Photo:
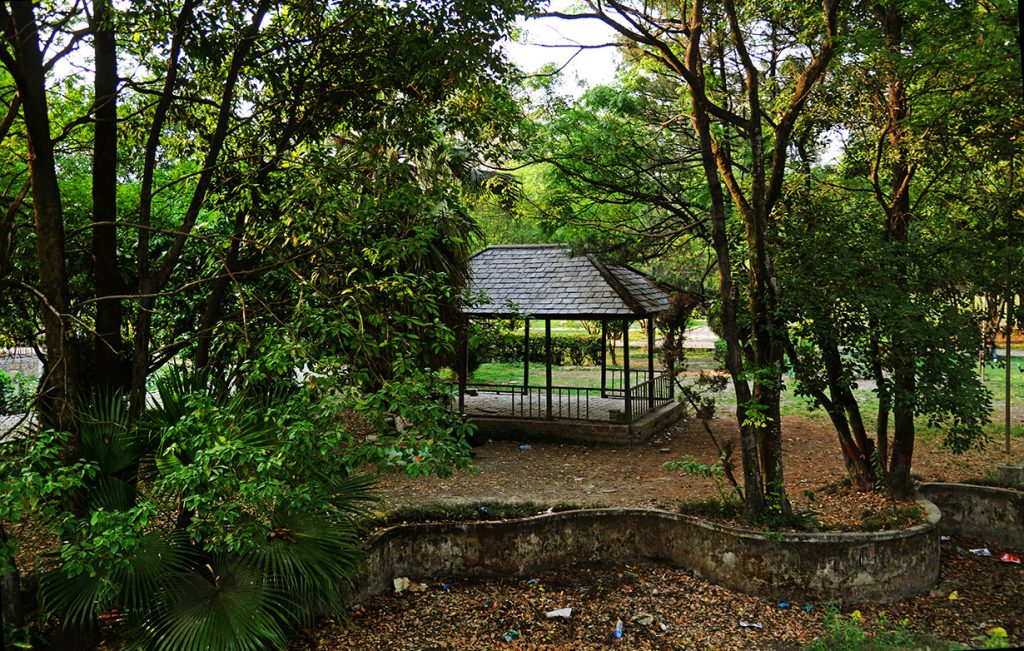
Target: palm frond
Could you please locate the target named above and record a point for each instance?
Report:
(107, 435)
(227, 605)
(312, 557)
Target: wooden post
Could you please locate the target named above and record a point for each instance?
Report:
(604, 358)
(462, 362)
(547, 361)
(650, 362)
(526, 359)
(625, 371)
(1010, 300)
(671, 370)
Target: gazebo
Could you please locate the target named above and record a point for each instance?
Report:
(545, 283)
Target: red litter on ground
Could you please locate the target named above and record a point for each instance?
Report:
(1009, 558)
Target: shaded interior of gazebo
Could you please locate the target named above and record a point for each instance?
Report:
(545, 283)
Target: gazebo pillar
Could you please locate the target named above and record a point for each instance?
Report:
(604, 358)
(526, 358)
(547, 363)
(625, 371)
(462, 363)
(650, 362)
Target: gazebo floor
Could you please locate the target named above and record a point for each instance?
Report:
(495, 417)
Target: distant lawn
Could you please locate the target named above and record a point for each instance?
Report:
(792, 404)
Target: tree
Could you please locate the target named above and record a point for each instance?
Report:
(930, 112)
(193, 153)
(262, 186)
(745, 74)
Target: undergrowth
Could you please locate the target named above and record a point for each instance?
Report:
(852, 633)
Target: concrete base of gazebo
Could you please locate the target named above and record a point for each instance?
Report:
(493, 424)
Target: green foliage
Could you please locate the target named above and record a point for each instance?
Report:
(220, 518)
(17, 393)
(850, 633)
(508, 348)
(889, 518)
(717, 472)
(731, 507)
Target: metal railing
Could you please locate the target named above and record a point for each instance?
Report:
(650, 395)
(577, 403)
(614, 376)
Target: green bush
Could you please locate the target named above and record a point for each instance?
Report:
(216, 520)
(17, 393)
(507, 348)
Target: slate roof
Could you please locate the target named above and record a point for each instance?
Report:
(545, 281)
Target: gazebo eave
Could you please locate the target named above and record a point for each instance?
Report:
(561, 316)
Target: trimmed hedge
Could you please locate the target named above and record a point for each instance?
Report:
(571, 350)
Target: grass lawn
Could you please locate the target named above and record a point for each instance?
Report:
(792, 404)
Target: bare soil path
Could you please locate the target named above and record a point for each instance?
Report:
(553, 473)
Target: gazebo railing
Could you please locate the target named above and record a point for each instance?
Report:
(575, 403)
(613, 381)
(651, 394)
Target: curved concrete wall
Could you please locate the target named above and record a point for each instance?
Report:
(847, 567)
(995, 514)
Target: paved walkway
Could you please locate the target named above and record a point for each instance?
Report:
(700, 337)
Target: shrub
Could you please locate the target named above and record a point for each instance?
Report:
(17, 393)
(507, 348)
(218, 519)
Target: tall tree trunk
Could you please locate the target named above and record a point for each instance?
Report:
(107, 346)
(753, 484)
(58, 391)
(897, 229)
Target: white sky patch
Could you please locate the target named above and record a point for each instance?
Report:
(554, 40)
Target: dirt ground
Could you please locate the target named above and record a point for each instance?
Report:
(664, 608)
(552, 473)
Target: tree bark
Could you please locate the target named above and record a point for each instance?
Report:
(58, 390)
(897, 229)
(753, 484)
(107, 345)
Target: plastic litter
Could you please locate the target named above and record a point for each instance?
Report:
(1007, 557)
(401, 584)
(784, 604)
(953, 596)
(618, 629)
(532, 581)
(745, 624)
(663, 627)
(561, 612)
(525, 446)
(943, 538)
(644, 619)
(981, 551)
(446, 587)
(509, 636)
(808, 608)
(483, 511)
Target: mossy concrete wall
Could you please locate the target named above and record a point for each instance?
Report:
(846, 567)
(994, 514)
